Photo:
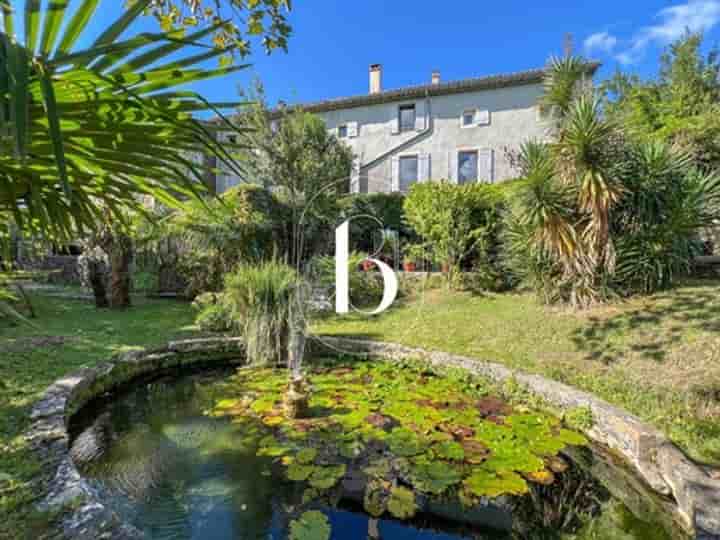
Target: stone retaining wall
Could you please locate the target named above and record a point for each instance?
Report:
(48, 435)
(659, 462)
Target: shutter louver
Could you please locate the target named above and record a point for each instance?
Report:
(420, 116)
(355, 175)
(394, 120)
(486, 165)
(424, 167)
(452, 166)
(482, 117)
(395, 174)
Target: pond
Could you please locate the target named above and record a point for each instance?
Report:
(386, 453)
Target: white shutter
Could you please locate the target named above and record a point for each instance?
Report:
(486, 165)
(394, 119)
(352, 129)
(395, 174)
(482, 117)
(355, 175)
(420, 116)
(452, 166)
(423, 167)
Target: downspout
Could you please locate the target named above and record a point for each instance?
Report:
(429, 127)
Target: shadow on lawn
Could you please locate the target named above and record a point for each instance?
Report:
(652, 330)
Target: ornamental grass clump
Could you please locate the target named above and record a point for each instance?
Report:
(261, 299)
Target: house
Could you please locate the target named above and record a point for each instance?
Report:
(462, 131)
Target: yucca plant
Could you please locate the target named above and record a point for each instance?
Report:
(87, 132)
(263, 300)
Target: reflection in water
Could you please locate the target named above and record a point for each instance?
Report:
(176, 474)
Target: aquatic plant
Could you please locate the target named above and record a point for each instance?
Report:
(400, 435)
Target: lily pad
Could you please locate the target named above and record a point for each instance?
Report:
(401, 503)
(484, 483)
(326, 477)
(311, 525)
(299, 473)
(405, 442)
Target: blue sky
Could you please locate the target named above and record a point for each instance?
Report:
(334, 42)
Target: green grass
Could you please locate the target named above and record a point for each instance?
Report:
(658, 357)
(30, 361)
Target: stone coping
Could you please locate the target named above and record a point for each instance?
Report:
(87, 517)
(658, 461)
(665, 468)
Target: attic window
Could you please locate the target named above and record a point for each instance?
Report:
(407, 117)
(468, 118)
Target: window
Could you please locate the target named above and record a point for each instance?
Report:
(407, 117)
(408, 172)
(467, 167)
(343, 132)
(468, 119)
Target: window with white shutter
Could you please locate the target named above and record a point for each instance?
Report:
(409, 167)
(420, 116)
(395, 174)
(394, 120)
(352, 129)
(424, 173)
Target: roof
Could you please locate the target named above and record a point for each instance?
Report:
(520, 78)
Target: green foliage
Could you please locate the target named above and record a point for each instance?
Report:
(214, 313)
(307, 167)
(680, 106)
(365, 287)
(440, 433)
(71, 158)
(374, 212)
(311, 525)
(453, 221)
(242, 21)
(600, 214)
(261, 299)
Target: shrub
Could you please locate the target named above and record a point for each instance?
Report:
(458, 223)
(386, 208)
(262, 300)
(214, 314)
(365, 287)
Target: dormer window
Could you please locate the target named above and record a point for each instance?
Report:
(407, 117)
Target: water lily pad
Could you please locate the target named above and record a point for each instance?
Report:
(375, 499)
(449, 450)
(401, 503)
(405, 442)
(299, 473)
(484, 483)
(474, 451)
(311, 525)
(306, 456)
(326, 477)
(434, 477)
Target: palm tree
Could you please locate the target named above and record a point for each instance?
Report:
(87, 132)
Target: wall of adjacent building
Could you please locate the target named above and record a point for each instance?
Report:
(513, 119)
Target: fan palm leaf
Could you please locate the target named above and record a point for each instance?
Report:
(99, 127)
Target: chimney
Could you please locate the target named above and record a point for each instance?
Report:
(375, 78)
(435, 77)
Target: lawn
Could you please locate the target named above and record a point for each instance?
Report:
(658, 356)
(69, 334)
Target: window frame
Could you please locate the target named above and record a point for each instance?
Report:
(406, 107)
(414, 156)
(473, 114)
(475, 151)
(340, 130)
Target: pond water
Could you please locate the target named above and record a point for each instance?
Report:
(174, 471)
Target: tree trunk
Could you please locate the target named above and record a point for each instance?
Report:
(118, 246)
(97, 281)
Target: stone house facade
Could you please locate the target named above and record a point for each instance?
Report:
(461, 131)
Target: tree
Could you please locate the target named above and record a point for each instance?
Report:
(680, 107)
(307, 168)
(241, 19)
(92, 131)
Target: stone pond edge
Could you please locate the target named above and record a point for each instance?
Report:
(656, 459)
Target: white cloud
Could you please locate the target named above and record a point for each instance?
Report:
(601, 42)
(674, 21)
